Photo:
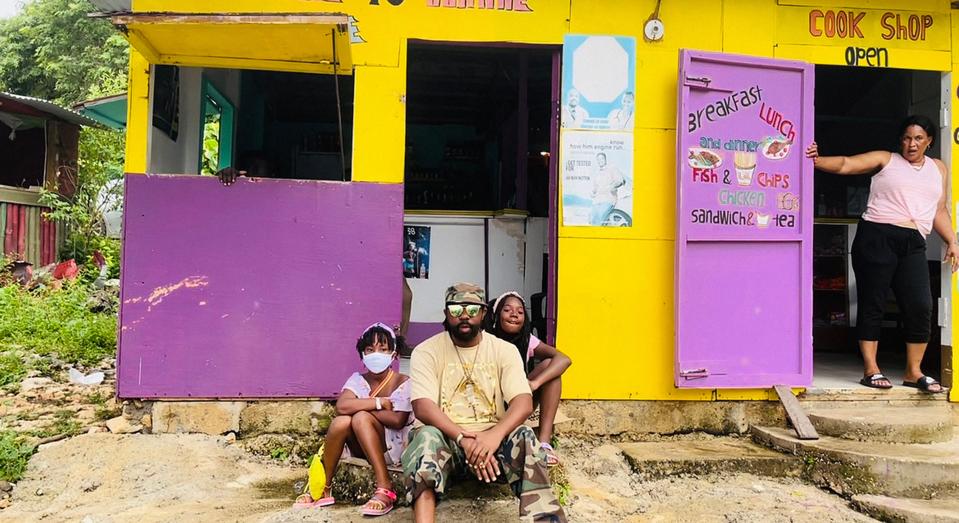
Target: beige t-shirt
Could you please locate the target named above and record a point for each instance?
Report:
(497, 377)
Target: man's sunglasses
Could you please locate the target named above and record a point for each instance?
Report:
(456, 310)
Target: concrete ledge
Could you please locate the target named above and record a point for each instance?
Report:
(909, 510)
(657, 459)
(609, 417)
(206, 417)
(885, 424)
(853, 467)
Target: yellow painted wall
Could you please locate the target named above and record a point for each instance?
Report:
(615, 289)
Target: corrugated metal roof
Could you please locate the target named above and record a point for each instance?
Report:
(50, 108)
(113, 6)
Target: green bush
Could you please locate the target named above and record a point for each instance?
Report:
(12, 368)
(56, 322)
(14, 454)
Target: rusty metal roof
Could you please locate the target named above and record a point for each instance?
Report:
(50, 108)
(113, 6)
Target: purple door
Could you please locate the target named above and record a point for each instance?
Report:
(744, 238)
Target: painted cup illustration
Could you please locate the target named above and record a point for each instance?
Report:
(762, 220)
(745, 167)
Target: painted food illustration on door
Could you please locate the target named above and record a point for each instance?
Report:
(704, 158)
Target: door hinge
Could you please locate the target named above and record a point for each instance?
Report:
(703, 82)
(694, 374)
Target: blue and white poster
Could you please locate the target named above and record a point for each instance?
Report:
(599, 82)
(597, 178)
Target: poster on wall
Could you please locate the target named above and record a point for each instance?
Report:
(416, 252)
(166, 99)
(599, 82)
(597, 179)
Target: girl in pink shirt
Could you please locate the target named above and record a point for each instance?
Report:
(907, 200)
(508, 320)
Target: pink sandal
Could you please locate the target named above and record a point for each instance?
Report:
(387, 506)
(551, 459)
(307, 501)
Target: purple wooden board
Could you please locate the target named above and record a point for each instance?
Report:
(255, 290)
(744, 241)
(420, 331)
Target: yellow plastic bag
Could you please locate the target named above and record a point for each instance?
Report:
(317, 475)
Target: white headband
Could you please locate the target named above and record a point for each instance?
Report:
(383, 326)
(503, 297)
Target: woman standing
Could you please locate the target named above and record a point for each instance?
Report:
(907, 200)
(543, 363)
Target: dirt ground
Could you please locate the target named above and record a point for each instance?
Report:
(101, 478)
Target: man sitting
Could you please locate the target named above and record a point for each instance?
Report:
(462, 381)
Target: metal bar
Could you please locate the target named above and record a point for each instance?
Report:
(229, 18)
(553, 212)
(339, 107)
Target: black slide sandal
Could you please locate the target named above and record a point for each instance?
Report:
(924, 384)
(873, 381)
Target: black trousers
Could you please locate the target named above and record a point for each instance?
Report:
(888, 256)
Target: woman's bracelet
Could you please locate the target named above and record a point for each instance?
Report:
(379, 406)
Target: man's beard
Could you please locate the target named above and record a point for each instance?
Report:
(459, 335)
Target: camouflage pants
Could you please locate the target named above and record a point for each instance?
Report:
(431, 459)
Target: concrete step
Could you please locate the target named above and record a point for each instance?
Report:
(885, 424)
(665, 458)
(897, 396)
(909, 510)
(853, 467)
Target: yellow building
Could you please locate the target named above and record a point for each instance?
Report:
(614, 286)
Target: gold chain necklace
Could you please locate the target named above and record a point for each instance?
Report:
(468, 381)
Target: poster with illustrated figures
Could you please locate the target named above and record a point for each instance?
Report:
(416, 252)
(597, 178)
(599, 82)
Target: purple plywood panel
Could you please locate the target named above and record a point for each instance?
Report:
(255, 290)
(744, 240)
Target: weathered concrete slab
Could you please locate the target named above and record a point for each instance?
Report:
(853, 467)
(607, 418)
(665, 458)
(285, 417)
(205, 417)
(909, 510)
(882, 423)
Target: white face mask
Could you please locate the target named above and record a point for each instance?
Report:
(377, 362)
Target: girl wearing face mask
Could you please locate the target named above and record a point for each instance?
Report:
(543, 363)
(373, 417)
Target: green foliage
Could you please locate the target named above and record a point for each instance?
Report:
(12, 368)
(211, 144)
(14, 454)
(64, 422)
(56, 321)
(53, 50)
(280, 453)
(98, 190)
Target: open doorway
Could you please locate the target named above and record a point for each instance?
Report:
(858, 110)
(477, 174)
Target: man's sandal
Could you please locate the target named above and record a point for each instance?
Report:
(925, 384)
(551, 459)
(376, 506)
(873, 381)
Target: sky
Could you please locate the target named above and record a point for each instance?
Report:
(9, 8)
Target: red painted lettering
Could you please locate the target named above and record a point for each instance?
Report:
(814, 16)
(854, 31)
(705, 175)
(914, 28)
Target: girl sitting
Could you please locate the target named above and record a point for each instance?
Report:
(544, 364)
(373, 417)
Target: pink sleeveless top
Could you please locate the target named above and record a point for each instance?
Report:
(901, 193)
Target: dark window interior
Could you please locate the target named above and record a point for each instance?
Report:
(466, 148)
(288, 125)
(23, 157)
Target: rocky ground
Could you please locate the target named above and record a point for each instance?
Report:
(94, 475)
